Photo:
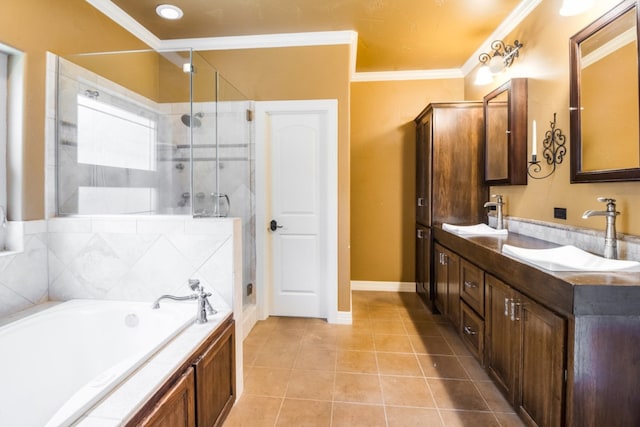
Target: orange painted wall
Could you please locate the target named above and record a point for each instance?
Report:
(544, 60)
(383, 173)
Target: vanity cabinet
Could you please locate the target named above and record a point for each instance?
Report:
(447, 283)
(525, 353)
(177, 408)
(201, 392)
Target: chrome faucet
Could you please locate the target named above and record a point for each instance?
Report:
(204, 306)
(498, 205)
(610, 240)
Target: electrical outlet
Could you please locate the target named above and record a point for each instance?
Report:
(560, 213)
(249, 289)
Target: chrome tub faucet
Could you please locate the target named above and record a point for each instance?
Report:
(204, 306)
(610, 238)
(498, 205)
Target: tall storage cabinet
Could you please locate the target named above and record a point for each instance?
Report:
(449, 178)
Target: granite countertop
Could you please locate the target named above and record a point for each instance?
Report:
(568, 292)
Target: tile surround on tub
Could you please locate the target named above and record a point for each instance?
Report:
(583, 238)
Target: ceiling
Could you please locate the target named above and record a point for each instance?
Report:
(393, 35)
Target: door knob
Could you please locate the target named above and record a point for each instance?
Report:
(273, 225)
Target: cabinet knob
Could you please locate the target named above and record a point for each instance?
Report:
(515, 310)
(421, 202)
(469, 331)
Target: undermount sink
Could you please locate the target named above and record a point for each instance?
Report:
(568, 258)
(474, 230)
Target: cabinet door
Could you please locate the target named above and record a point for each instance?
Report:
(423, 169)
(441, 278)
(540, 395)
(500, 348)
(177, 407)
(215, 380)
(423, 257)
(453, 287)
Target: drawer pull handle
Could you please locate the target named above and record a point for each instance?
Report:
(469, 284)
(469, 331)
(506, 307)
(421, 202)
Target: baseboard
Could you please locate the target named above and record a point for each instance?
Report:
(343, 318)
(249, 319)
(357, 285)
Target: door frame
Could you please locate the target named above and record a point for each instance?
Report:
(329, 200)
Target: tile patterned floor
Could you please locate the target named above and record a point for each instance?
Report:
(397, 365)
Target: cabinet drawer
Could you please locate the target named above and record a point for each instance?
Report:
(472, 286)
(472, 331)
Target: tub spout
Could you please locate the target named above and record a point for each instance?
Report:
(156, 303)
(204, 306)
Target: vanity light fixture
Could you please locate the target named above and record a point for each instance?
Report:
(500, 58)
(169, 11)
(553, 150)
(574, 7)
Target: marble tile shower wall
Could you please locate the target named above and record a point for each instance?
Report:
(23, 270)
(136, 258)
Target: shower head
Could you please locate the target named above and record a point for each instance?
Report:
(192, 121)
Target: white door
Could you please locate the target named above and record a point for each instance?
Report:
(296, 155)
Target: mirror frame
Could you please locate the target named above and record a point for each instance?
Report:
(610, 175)
(517, 100)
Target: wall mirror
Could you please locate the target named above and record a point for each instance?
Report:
(505, 124)
(604, 111)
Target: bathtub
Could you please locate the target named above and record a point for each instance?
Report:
(57, 363)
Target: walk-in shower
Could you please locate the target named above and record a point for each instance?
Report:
(136, 134)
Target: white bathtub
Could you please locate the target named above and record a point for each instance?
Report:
(57, 363)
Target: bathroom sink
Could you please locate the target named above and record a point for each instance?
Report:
(567, 258)
(474, 230)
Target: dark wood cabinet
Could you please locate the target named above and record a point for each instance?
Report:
(201, 392)
(525, 353)
(177, 408)
(449, 177)
(447, 283)
(215, 380)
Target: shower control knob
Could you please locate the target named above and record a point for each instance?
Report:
(273, 225)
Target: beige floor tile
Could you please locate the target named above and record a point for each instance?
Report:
(430, 345)
(509, 419)
(357, 361)
(384, 313)
(316, 359)
(412, 417)
(398, 364)
(456, 394)
(314, 385)
(473, 368)
(254, 411)
(352, 415)
(388, 327)
(360, 388)
(494, 398)
(304, 413)
(316, 338)
(276, 356)
(250, 353)
(393, 343)
(267, 381)
(355, 341)
(406, 391)
(435, 366)
(427, 329)
(469, 418)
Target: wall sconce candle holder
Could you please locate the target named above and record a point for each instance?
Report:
(553, 151)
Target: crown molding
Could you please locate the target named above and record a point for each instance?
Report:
(381, 76)
(123, 19)
(507, 26)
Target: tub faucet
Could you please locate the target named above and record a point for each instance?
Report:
(498, 205)
(204, 306)
(610, 240)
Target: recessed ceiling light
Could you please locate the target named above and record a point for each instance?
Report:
(169, 11)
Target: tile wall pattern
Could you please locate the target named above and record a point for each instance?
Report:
(23, 271)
